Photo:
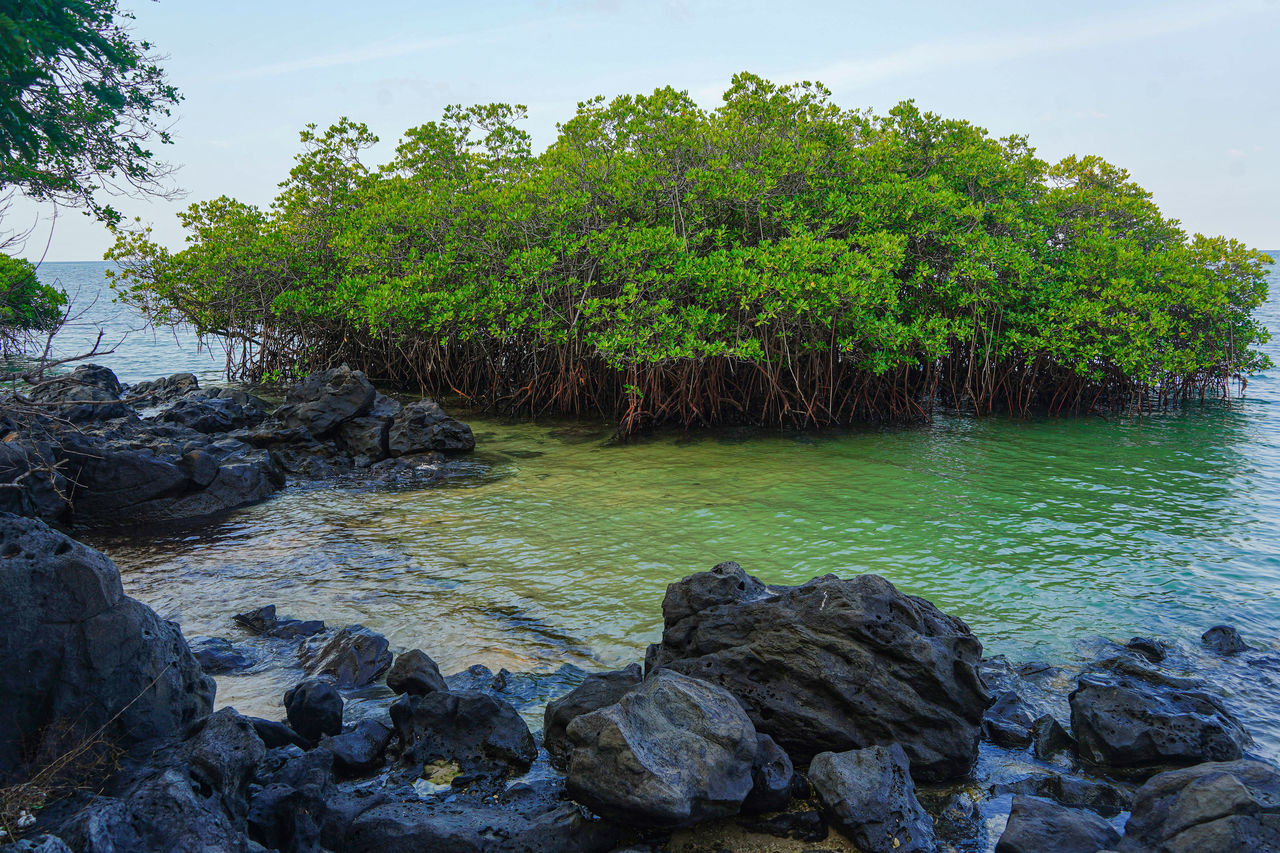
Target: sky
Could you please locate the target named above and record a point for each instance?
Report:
(1182, 94)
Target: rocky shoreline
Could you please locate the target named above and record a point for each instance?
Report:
(835, 715)
(838, 715)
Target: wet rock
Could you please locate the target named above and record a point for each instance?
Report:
(671, 752)
(353, 657)
(314, 708)
(597, 690)
(485, 736)
(822, 666)
(217, 655)
(1210, 808)
(422, 425)
(1224, 640)
(1128, 717)
(360, 750)
(1008, 721)
(325, 399)
(275, 734)
(868, 793)
(1049, 737)
(165, 389)
(82, 652)
(1152, 649)
(957, 820)
(415, 673)
(771, 778)
(264, 622)
(801, 826)
(1075, 792)
(1036, 826)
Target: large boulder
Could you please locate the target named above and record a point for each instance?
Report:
(415, 673)
(352, 657)
(671, 752)
(1129, 717)
(88, 393)
(1036, 826)
(1217, 807)
(314, 709)
(80, 652)
(481, 734)
(422, 425)
(832, 664)
(326, 399)
(869, 794)
(596, 691)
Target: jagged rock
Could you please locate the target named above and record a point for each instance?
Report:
(868, 793)
(1217, 807)
(290, 807)
(671, 752)
(217, 655)
(326, 399)
(81, 652)
(1074, 792)
(366, 438)
(1224, 640)
(264, 622)
(214, 411)
(772, 776)
(165, 389)
(276, 734)
(596, 691)
(353, 657)
(43, 844)
(832, 664)
(1049, 737)
(1127, 716)
(88, 393)
(1152, 649)
(1008, 721)
(1037, 826)
(415, 673)
(360, 750)
(483, 735)
(422, 425)
(314, 708)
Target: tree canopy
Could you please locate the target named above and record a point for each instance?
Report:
(779, 260)
(79, 101)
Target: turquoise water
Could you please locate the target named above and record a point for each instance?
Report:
(1038, 532)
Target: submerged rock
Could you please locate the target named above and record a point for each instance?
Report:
(216, 655)
(832, 664)
(868, 793)
(1224, 640)
(1037, 826)
(1129, 717)
(82, 655)
(671, 752)
(264, 622)
(596, 691)
(1218, 807)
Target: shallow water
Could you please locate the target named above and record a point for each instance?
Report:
(1038, 532)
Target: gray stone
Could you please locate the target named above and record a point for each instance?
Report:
(596, 691)
(1037, 826)
(868, 793)
(352, 657)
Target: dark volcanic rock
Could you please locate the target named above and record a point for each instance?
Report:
(422, 425)
(1049, 737)
(215, 411)
(353, 657)
(415, 673)
(360, 750)
(263, 621)
(1224, 640)
(88, 393)
(833, 664)
(483, 735)
(81, 652)
(771, 778)
(869, 795)
(1037, 826)
(1129, 717)
(1152, 649)
(276, 734)
(1075, 792)
(1221, 807)
(165, 389)
(1008, 721)
(325, 399)
(217, 655)
(366, 438)
(314, 708)
(671, 752)
(595, 692)
(43, 844)
(291, 807)
(802, 826)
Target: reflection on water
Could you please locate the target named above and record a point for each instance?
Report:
(1037, 532)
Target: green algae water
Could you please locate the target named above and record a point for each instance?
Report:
(1039, 533)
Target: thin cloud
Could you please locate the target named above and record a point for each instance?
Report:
(1098, 32)
(372, 53)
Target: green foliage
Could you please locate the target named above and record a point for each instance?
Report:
(79, 99)
(26, 305)
(776, 259)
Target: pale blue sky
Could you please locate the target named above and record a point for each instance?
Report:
(1183, 94)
